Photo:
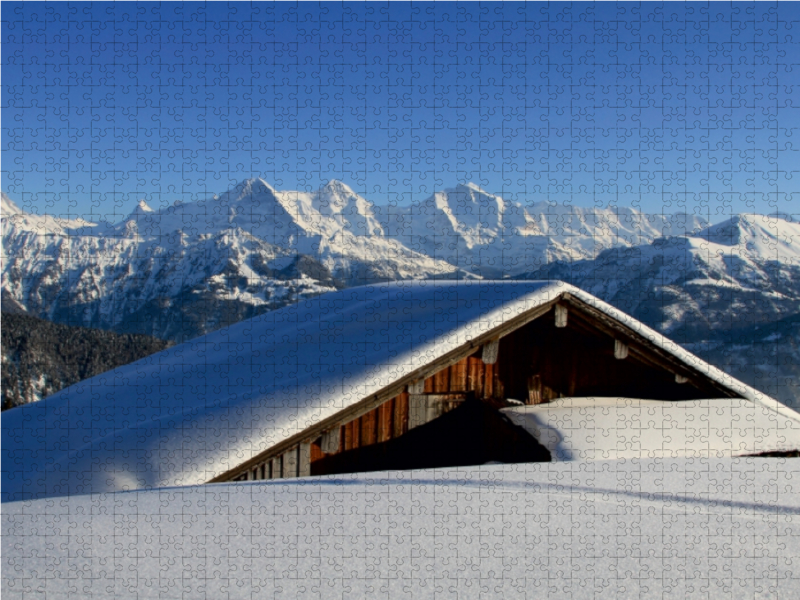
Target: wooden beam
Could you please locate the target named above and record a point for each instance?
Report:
(417, 410)
(490, 351)
(304, 460)
(330, 441)
(561, 315)
(290, 463)
(416, 387)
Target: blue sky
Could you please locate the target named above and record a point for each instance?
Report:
(659, 106)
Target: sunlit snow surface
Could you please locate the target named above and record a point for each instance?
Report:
(614, 428)
(657, 528)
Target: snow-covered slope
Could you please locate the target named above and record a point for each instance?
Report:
(486, 234)
(745, 270)
(194, 411)
(765, 356)
(632, 529)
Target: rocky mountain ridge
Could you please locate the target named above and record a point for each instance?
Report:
(181, 271)
(187, 269)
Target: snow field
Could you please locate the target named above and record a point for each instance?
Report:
(655, 528)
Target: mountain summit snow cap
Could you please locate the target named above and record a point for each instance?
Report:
(7, 206)
(767, 235)
(248, 187)
(351, 211)
(142, 208)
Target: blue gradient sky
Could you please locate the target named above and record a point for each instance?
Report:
(686, 107)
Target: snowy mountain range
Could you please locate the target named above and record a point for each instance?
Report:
(485, 234)
(188, 269)
(191, 268)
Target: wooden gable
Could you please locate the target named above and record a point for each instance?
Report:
(564, 349)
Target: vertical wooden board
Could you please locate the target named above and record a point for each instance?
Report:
(534, 389)
(572, 385)
(369, 428)
(429, 385)
(441, 380)
(400, 420)
(290, 460)
(316, 451)
(304, 460)
(488, 381)
(348, 436)
(458, 376)
(478, 382)
(472, 374)
(276, 468)
(356, 425)
(385, 412)
(499, 389)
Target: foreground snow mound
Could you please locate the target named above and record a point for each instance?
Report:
(671, 528)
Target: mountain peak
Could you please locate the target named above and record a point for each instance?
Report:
(254, 185)
(350, 211)
(743, 227)
(143, 208)
(338, 186)
(8, 207)
(473, 187)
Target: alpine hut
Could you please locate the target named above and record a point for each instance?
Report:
(395, 376)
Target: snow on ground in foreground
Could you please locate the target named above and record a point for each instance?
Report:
(655, 528)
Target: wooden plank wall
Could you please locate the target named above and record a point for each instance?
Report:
(537, 363)
(391, 419)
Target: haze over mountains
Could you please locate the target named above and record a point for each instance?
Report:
(182, 271)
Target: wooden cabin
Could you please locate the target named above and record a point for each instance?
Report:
(447, 413)
(398, 376)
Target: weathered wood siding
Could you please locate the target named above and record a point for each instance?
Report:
(562, 353)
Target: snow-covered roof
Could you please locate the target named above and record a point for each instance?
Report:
(194, 411)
